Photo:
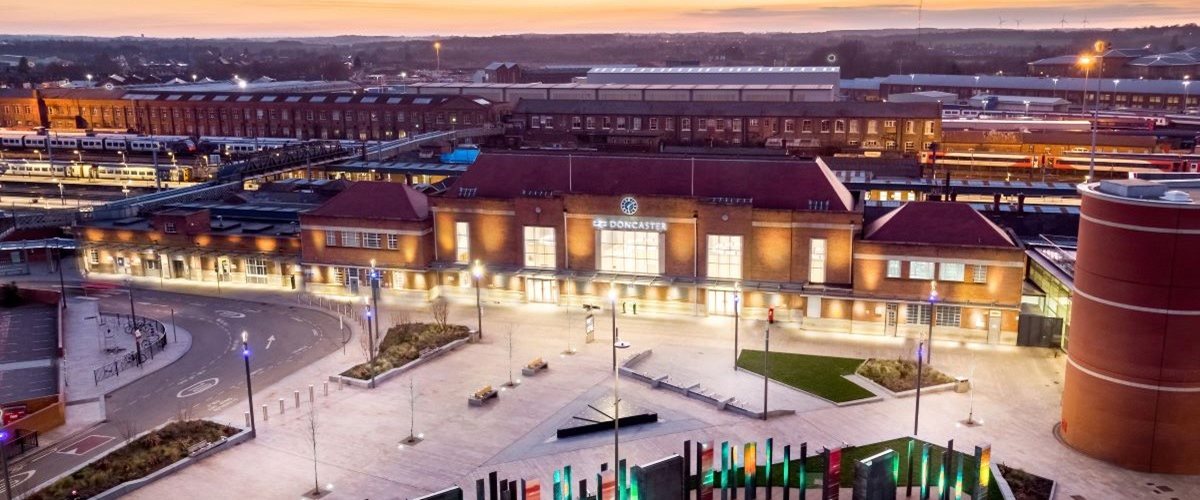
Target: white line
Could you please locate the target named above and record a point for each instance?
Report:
(1127, 383)
(1154, 310)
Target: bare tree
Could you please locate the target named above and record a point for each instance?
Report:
(128, 431)
(440, 308)
(311, 436)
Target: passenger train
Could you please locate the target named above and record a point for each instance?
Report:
(1073, 161)
(68, 170)
(100, 142)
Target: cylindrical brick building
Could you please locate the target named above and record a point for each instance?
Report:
(1132, 389)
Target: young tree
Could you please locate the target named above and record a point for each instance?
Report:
(311, 435)
(440, 308)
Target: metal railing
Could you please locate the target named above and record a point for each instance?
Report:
(153, 340)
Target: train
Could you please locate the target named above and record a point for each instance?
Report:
(1072, 161)
(106, 171)
(101, 142)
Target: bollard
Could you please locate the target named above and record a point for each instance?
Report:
(326, 387)
(281, 406)
(296, 396)
(247, 419)
(264, 412)
(310, 393)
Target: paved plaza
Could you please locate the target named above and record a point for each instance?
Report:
(1016, 394)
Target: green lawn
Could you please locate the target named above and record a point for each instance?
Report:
(818, 375)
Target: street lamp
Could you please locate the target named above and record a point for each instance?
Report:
(617, 344)
(4, 458)
(61, 199)
(133, 322)
(1186, 83)
(612, 305)
(1055, 93)
(917, 411)
(1086, 62)
(437, 50)
(122, 153)
(976, 84)
(39, 153)
(737, 319)
(249, 388)
(933, 297)
(477, 272)
(1100, 47)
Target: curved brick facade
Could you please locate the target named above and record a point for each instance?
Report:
(1132, 389)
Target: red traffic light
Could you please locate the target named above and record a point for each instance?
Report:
(771, 315)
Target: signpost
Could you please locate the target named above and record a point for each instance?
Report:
(589, 328)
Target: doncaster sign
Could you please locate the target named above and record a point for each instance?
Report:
(630, 224)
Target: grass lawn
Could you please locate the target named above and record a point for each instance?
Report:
(136, 460)
(818, 375)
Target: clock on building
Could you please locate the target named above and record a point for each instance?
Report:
(629, 206)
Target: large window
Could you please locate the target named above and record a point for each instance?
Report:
(539, 247)
(816, 260)
(920, 270)
(979, 274)
(393, 241)
(370, 240)
(462, 242)
(256, 271)
(724, 256)
(949, 316)
(630, 252)
(893, 268)
(950, 271)
(349, 239)
(917, 314)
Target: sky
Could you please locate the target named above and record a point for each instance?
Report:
(267, 18)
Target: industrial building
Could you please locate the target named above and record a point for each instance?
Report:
(1134, 93)
(512, 93)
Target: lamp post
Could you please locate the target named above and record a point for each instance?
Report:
(61, 200)
(933, 296)
(437, 51)
(249, 388)
(4, 458)
(1055, 93)
(1099, 47)
(1027, 107)
(1086, 62)
(133, 322)
(374, 307)
(122, 153)
(1186, 83)
(78, 155)
(917, 411)
(737, 320)
(612, 305)
(976, 84)
(617, 344)
(477, 272)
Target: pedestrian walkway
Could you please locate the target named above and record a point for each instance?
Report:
(100, 353)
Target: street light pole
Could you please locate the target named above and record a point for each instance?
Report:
(249, 388)
(477, 272)
(4, 458)
(133, 323)
(933, 296)
(1100, 46)
(617, 344)
(917, 411)
(612, 304)
(766, 369)
(737, 320)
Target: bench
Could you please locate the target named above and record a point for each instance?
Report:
(482, 396)
(534, 367)
(198, 448)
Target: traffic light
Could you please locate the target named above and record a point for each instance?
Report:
(771, 316)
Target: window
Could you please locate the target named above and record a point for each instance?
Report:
(539, 247)
(917, 314)
(393, 241)
(685, 124)
(893, 269)
(724, 256)
(754, 122)
(789, 125)
(535, 121)
(669, 123)
(910, 127)
(630, 252)
(370, 240)
(620, 123)
(839, 126)
(256, 271)
(590, 122)
(950, 271)
(920, 270)
(816, 260)
(607, 123)
(462, 242)
(737, 124)
(871, 127)
(330, 239)
(93, 256)
(806, 126)
(979, 274)
(929, 128)
(824, 126)
(889, 124)
(653, 123)
(948, 315)
(341, 275)
(349, 239)
(576, 123)
(169, 228)
(637, 123)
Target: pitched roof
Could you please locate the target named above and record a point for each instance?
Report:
(847, 109)
(772, 184)
(376, 200)
(937, 223)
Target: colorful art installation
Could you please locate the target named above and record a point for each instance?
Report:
(983, 457)
(831, 483)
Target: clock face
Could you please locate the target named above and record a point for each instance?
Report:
(629, 206)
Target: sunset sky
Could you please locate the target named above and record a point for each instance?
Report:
(254, 18)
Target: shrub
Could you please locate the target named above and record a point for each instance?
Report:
(138, 459)
(403, 343)
(900, 374)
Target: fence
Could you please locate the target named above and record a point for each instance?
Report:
(153, 340)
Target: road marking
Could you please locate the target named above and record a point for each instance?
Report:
(230, 314)
(269, 340)
(219, 405)
(198, 387)
(300, 350)
(316, 333)
(252, 310)
(85, 445)
(17, 479)
(256, 372)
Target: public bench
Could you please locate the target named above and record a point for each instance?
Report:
(482, 396)
(534, 367)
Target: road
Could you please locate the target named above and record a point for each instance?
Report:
(209, 378)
